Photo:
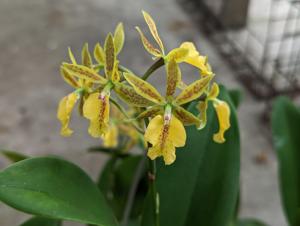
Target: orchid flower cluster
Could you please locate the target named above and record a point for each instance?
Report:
(96, 85)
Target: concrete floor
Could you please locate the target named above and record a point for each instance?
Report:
(34, 38)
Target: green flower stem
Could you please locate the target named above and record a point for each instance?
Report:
(123, 111)
(160, 62)
(153, 189)
(152, 163)
(132, 192)
(124, 69)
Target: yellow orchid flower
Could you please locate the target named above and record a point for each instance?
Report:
(65, 108)
(187, 51)
(68, 102)
(222, 110)
(166, 130)
(165, 133)
(194, 58)
(96, 105)
(110, 138)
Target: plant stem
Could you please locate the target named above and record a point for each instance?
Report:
(160, 62)
(132, 192)
(139, 170)
(153, 189)
(152, 163)
(123, 111)
(124, 69)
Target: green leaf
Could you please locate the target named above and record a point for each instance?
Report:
(115, 182)
(236, 96)
(201, 187)
(41, 221)
(13, 156)
(54, 188)
(110, 151)
(286, 130)
(250, 222)
(107, 177)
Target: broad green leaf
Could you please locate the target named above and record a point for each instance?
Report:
(41, 221)
(109, 151)
(54, 188)
(286, 130)
(236, 96)
(250, 222)
(13, 156)
(115, 182)
(106, 178)
(201, 186)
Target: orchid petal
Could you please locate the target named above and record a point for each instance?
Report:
(119, 38)
(152, 27)
(144, 89)
(173, 77)
(64, 111)
(223, 113)
(110, 56)
(84, 72)
(99, 54)
(147, 45)
(96, 109)
(130, 96)
(193, 91)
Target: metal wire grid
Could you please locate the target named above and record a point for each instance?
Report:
(266, 52)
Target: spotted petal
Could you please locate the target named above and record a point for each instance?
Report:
(193, 91)
(173, 77)
(83, 72)
(144, 89)
(147, 45)
(86, 56)
(116, 74)
(69, 78)
(110, 56)
(96, 109)
(151, 112)
(186, 117)
(119, 38)
(99, 54)
(223, 113)
(152, 27)
(64, 111)
(202, 107)
(164, 137)
(130, 96)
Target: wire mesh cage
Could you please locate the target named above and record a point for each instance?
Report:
(265, 50)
